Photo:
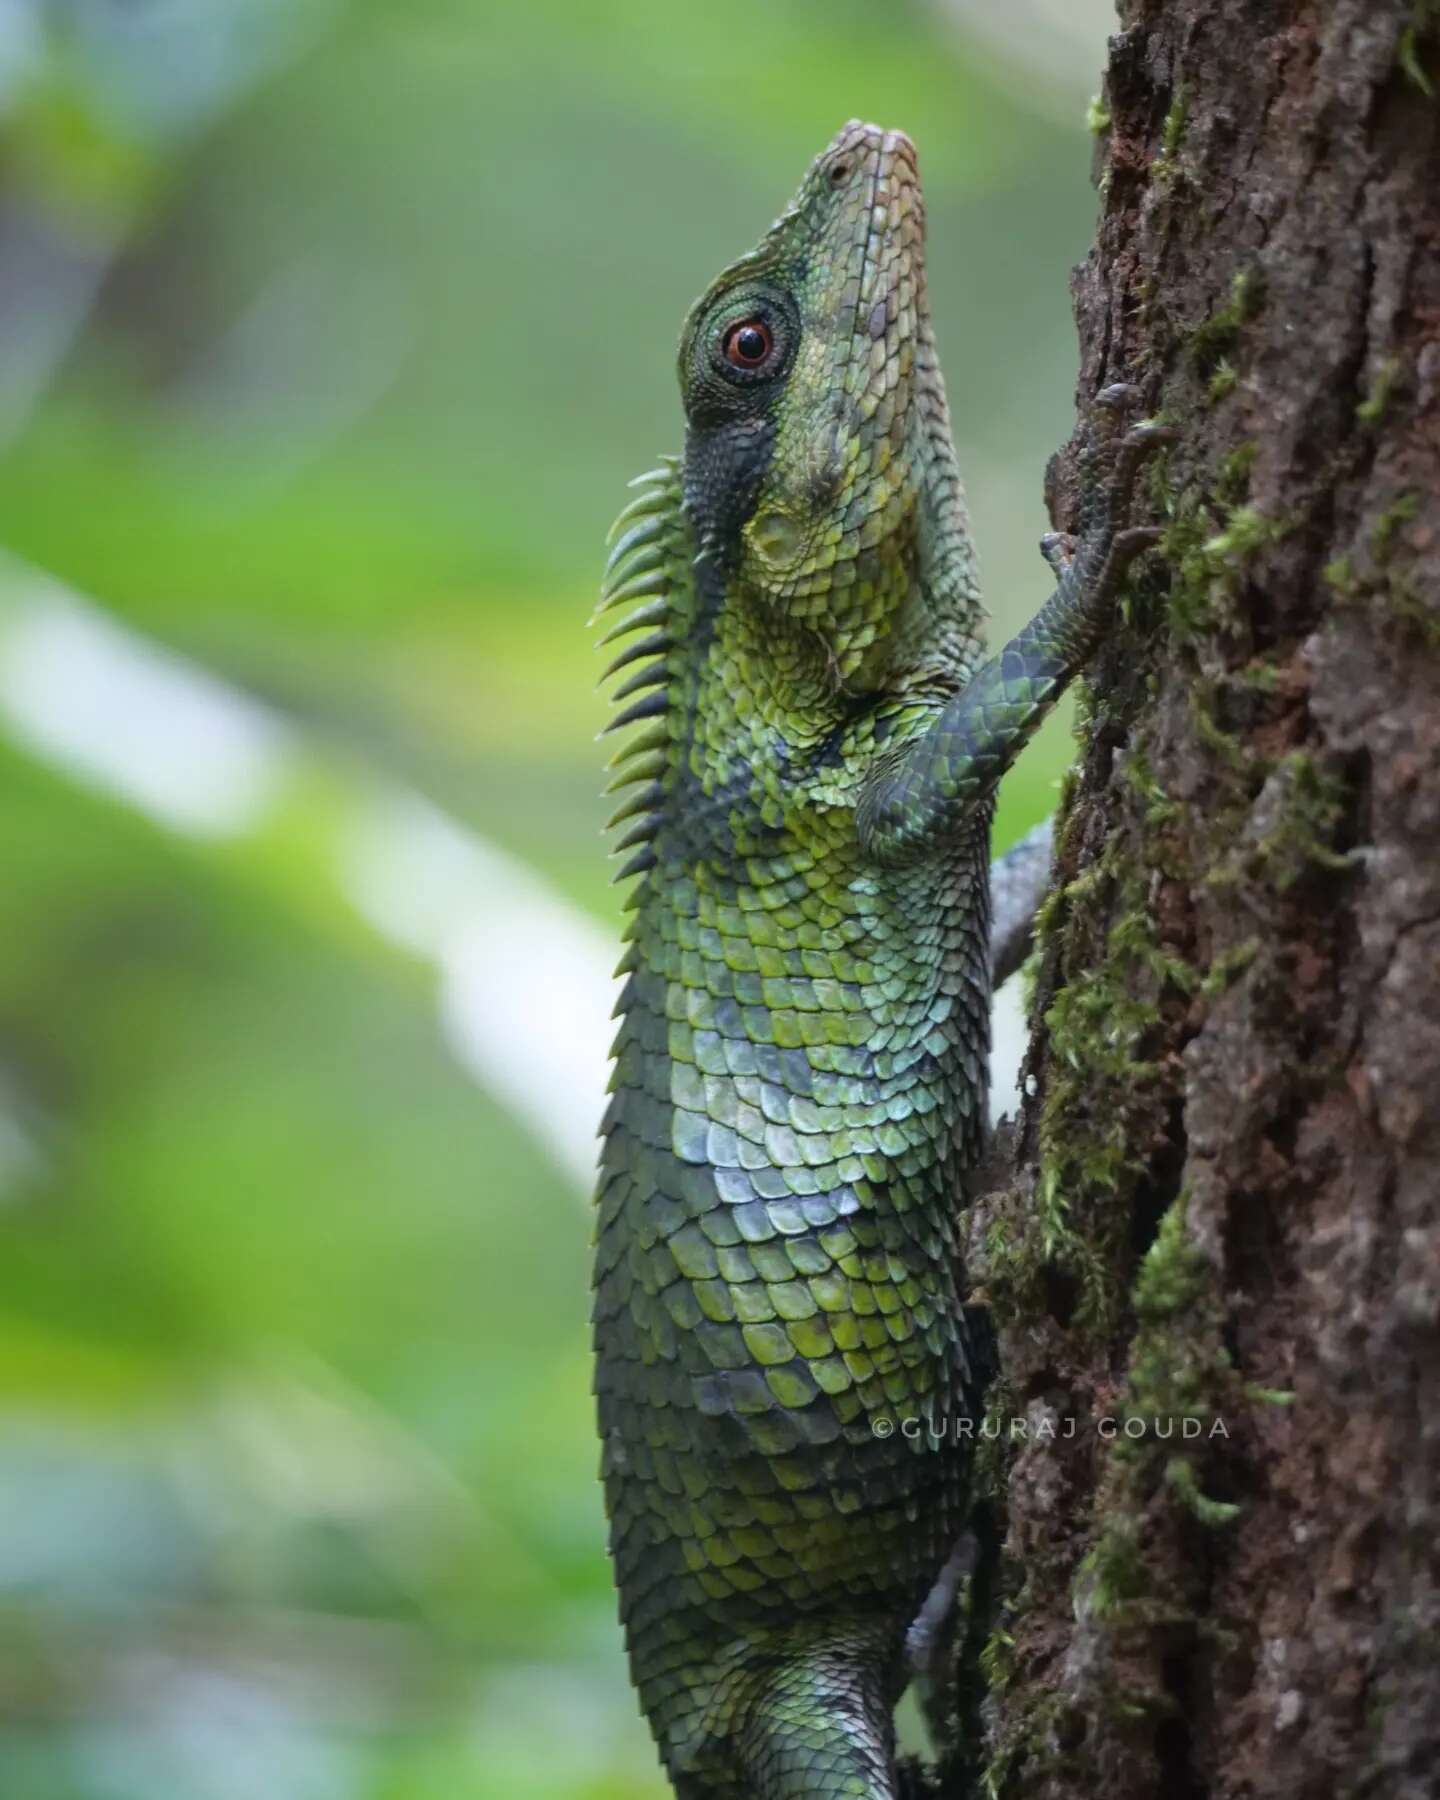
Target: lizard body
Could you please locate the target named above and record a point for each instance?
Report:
(800, 1070)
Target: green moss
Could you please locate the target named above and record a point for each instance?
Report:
(1094, 1024)
(1172, 132)
(1178, 1371)
(1387, 586)
(992, 1454)
(1247, 530)
(1028, 1746)
(1234, 480)
(1097, 1024)
(1210, 340)
(1105, 1105)
(1205, 566)
(1373, 407)
(1165, 171)
(1259, 677)
(1112, 1573)
(996, 1776)
(1189, 608)
(1222, 381)
(1224, 745)
(1030, 981)
(1119, 976)
(1052, 1217)
(1414, 611)
(1173, 1273)
(1245, 294)
(1181, 1478)
(1424, 16)
(1227, 966)
(1265, 1396)
(1160, 809)
(1097, 115)
(1311, 804)
(1105, 1096)
(1135, 936)
(997, 1659)
(1388, 525)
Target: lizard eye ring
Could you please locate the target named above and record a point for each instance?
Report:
(748, 344)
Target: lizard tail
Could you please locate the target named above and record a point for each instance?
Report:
(818, 1729)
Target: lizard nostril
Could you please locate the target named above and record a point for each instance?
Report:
(838, 171)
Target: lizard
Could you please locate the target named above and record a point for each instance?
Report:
(799, 1077)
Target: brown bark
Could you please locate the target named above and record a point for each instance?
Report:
(1222, 1200)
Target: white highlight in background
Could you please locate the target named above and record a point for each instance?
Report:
(525, 989)
(525, 984)
(132, 719)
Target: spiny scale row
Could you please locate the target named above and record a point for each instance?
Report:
(642, 573)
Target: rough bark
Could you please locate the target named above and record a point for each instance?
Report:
(1222, 1201)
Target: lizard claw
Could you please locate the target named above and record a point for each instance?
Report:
(1119, 397)
(1148, 432)
(1110, 459)
(1134, 542)
(1137, 444)
(1058, 549)
(1140, 439)
(1112, 453)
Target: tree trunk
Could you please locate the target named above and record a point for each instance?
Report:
(1219, 1213)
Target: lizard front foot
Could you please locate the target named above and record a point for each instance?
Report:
(1109, 463)
(1058, 549)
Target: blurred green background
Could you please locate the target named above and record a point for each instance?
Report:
(329, 336)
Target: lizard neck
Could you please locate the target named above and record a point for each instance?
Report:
(797, 672)
(774, 687)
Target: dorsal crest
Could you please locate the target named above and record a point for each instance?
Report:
(648, 574)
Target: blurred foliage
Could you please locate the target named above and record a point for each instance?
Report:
(331, 338)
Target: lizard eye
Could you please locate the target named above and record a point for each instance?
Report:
(747, 344)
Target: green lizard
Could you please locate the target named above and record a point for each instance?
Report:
(800, 1071)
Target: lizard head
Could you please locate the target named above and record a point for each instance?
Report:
(813, 397)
